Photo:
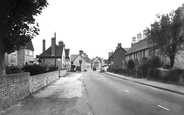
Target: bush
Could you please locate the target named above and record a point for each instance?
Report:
(154, 62)
(13, 69)
(174, 75)
(35, 69)
(130, 65)
(143, 69)
(151, 63)
(51, 68)
(154, 73)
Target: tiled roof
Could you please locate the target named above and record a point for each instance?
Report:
(116, 51)
(67, 53)
(87, 59)
(141, 45)
(29, 45)
(73, 57)
(47, 53)
(126, 49)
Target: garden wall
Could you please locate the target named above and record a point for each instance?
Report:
(14, 87)
(39, 81)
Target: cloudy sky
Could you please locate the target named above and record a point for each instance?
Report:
(97, 26)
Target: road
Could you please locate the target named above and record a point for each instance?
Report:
(95, 93)
(108, 95)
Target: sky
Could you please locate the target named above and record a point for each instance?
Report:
(97, 26)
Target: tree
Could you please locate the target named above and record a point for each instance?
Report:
(17, 25)
(167, 34)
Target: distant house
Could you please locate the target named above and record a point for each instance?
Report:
(97, 63)
(83, 58)
(117, 59)
(21, 57)
(67, 58)
(54, 55)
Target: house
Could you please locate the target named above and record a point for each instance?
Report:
(54, 55)
(81, 60)
(117, 58)
(67, 59)
(25, 55)
(97, 63)
(141, 51)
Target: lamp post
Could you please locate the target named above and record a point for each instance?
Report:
(80, 62)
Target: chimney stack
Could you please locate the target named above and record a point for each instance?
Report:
(81, 52)
(144, 34)
(43, 45)
(119, 45)
(60, 43)
(139, 37)
(53, 46)
(133, 40)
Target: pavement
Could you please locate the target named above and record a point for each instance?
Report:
(156, 84)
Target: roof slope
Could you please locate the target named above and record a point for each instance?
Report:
(47, 53)
(73, 57)
(117, 51)
(87, 59)
(67, 53)
(138, 46)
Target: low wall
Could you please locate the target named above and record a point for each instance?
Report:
(39, 81)
(15, 87)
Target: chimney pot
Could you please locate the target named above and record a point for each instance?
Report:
(60, 43)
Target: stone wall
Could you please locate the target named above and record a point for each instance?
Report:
(15, 87)
(39, 81)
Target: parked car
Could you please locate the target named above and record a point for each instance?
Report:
(102, 70)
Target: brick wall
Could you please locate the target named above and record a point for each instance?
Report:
(15, 87)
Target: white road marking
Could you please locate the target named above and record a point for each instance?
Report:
(127, 91)
(163, 107)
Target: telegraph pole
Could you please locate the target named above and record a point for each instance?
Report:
(55, 47)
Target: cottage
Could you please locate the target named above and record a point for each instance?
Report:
(54, 55)
(141, 51)
(117, 59)
(97, 63)
(81, 60)
(25, 55)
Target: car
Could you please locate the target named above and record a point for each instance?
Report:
(102, 70)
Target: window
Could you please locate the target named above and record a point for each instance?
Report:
(143, 54)
(30, 52)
